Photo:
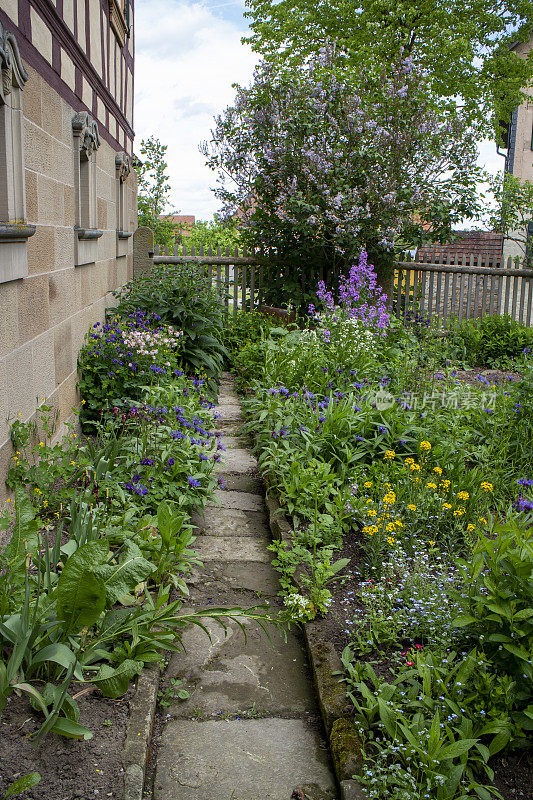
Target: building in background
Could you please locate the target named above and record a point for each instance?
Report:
(68, 193)
(518, 140)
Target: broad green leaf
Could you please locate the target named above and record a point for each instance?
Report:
(113, 682)
(24, 537)
(463, 620)
(121, 578)
(58, 653)
(81, 595)
(387, 717)
(456, 749)
(23, 784)
(70, 729)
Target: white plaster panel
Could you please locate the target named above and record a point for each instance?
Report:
(87, 93)
(68, 73)
(11, 7)
(41, 35)
(81, 25)
(95, 34)
(68, 13)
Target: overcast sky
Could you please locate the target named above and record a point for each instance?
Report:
(188, 55)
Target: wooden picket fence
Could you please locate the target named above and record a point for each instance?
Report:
(462, 287)
(237, 276)
(454, 288)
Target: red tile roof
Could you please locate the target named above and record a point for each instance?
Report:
(484, 244)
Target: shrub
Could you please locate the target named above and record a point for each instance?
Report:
(182, 296)
(490, 341)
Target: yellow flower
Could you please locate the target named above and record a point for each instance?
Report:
(459, 512)
(371, 512)
(487, 487)
(45, 503)
(409, 461)
(425, 445)
(367, 484)
(399, 523)
(369, 502)
(438, 470)
(390, 527)
(463, 495)
(470, 527)
(73, 463)
(416, 479)
(389, 455)
(445, 484)
(446, 506)
(41, 444)
(415, 467)
(431, 485)
(411, 507)
(391, 539)
(389, 499)
(370, 530)
(432, 543)
(483, 520)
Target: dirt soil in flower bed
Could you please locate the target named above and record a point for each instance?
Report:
(69, 768)
(471, 376)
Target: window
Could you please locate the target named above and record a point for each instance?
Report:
(119, 18)
(123, 168)
(14, 231)
(86, 143)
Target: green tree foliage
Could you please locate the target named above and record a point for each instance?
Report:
(154, 189)
(212, 233)
(321, 162)
(466, 47)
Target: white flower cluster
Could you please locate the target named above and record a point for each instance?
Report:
(351, 335)
(150, 343)
(300, 607)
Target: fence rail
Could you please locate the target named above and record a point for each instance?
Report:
(462, 288)
(456, 287)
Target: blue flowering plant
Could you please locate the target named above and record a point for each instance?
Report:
(122, 356)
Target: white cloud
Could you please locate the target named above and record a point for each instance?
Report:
(186, 59)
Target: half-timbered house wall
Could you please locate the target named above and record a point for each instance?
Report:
(519, 160)
(68, 242)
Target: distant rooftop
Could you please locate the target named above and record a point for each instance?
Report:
(185, 221)
(486, 245)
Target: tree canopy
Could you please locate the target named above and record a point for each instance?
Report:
(465, 47)
(320, 164)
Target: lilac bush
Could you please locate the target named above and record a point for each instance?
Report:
(318, 166)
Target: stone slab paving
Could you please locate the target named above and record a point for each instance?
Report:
(232, 548)
(230, 522)
(242, 501)
(250, 729)
(256, 759)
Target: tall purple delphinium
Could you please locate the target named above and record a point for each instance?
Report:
(360, 296)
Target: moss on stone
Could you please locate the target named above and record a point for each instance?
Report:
(346, 748)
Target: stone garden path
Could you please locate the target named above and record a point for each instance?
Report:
(251, 728)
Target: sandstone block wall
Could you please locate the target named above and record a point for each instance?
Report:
(44, 317)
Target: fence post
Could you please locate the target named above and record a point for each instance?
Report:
(143, 251)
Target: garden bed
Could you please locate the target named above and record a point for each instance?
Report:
(379, 451)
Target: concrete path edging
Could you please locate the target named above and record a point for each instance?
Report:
(139, 732)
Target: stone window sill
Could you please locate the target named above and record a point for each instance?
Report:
(13, 250)
(88, 233)
(15, 232)
(123, 235)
